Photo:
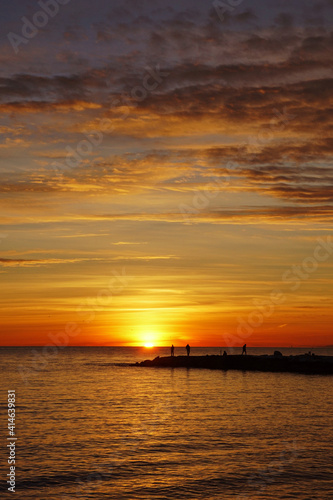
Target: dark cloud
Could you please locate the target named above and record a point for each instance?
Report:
(202, 56)
(284, 19)
(267, 90)
(235, 216)
(295, 173)
(246, 16)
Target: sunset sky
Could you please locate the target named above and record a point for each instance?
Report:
(164, 167)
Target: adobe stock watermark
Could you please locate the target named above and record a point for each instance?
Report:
(75, 156)
(277, 123)
(202, 198)
(266, 476)
(86, 312)
(153, 78)
(293, 277)
(94, 138)
(222, 8)
(30, 28)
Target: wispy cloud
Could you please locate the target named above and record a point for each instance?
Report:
(130, 243)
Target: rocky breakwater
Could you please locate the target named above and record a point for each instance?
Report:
(305, 363)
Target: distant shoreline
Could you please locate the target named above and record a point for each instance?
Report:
(304, 363)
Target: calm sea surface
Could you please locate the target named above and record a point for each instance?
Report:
(90, 426)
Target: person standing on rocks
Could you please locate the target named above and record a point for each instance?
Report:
(188, 349)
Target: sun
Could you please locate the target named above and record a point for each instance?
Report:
(148, 337)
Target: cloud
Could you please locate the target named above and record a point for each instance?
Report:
(145, 257)
(130, 243)
(184, 213)
(253, 94)
(254, 215)
(46, 107)
(6, 262)
(292, 170)
(36, 262)
(10, 143)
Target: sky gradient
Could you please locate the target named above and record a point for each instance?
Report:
(166, 173)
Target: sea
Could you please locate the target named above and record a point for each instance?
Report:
(89, 425)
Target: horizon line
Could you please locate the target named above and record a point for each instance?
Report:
(179, 346)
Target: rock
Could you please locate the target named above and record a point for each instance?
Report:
(277, 363)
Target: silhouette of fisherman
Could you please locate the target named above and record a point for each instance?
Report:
(172, 350)
(188, 349)
(244, 349)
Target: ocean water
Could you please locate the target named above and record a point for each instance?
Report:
(88, 425)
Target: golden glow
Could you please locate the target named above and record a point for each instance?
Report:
(150, 329)
(150, 339)
(159, 241)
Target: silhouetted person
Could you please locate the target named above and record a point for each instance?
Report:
(244, 349)
(188, 349)
(225, 354)
(172, 350)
